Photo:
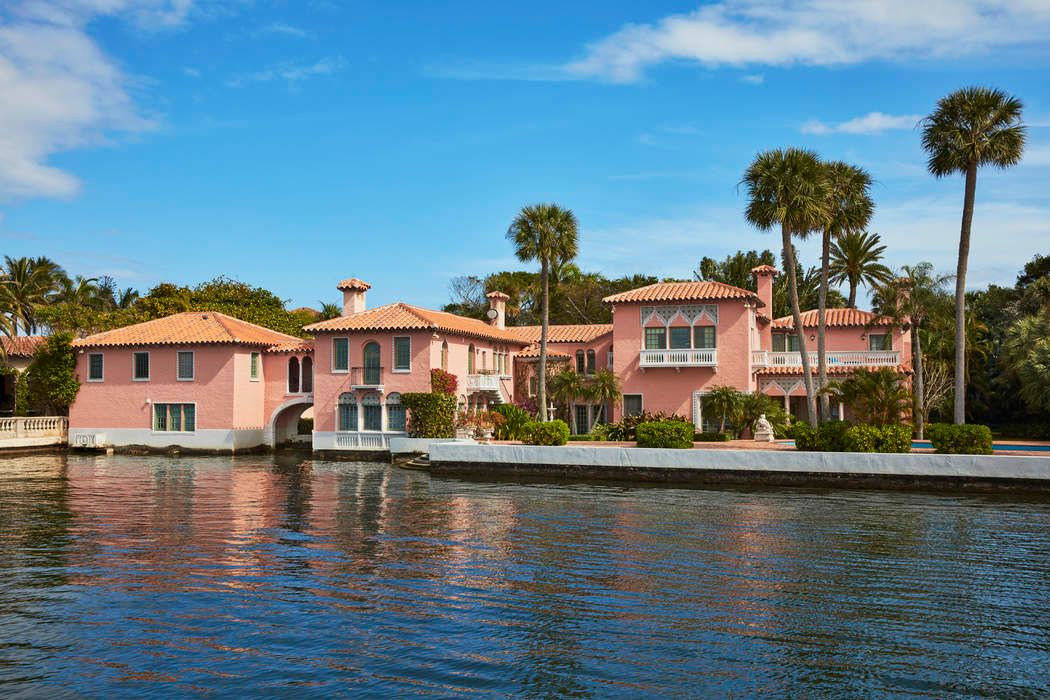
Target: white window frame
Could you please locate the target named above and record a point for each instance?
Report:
(101, 355)
(393, 355)
(193, 366)
(149, 366)
(152, 414)
(336, 370)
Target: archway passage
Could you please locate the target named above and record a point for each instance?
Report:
(284, 425)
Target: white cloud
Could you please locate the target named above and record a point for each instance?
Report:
(282, 29)
(753, 79)
(290, 72)
(191, 72)
(871, 123)
(743, 33)
(61, 91)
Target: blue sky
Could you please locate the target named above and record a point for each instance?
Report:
(293, 144)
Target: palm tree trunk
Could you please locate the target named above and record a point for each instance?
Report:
(822, 302)
(852, 302)
(960, 295)
(541, 390)
(796, 313)
(920, 386)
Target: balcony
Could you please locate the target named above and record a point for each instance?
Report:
(836, 358)
(678, 358)
(366, 378)
(483, 382)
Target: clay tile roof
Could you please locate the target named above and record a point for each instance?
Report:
(765, 269)
(834, 318)
(533, 351)
(682, 291)
(354, 283)
(498, 295)
(293, 346)
(22, 345)
(404, 317)
(832, 369)
(579, 333)
(189, 328)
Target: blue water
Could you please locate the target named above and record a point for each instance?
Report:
(261, 577)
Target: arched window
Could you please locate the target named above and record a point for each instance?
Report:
(444, 355)
(581, 365)
(371, 360)
(395, 413)
(470, 359)
(347, 412)
(373, 412)
(293, 375)
(308, 375)
(591, 362)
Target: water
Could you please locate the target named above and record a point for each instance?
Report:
(133, 576)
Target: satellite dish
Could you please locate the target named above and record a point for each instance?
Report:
(492, 313)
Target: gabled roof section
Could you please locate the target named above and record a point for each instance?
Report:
(533, 351)
(293, 346)
(400, 316)
(189, 328)
(22, 345)
(834, 318)
(567, 333)
(683, 291)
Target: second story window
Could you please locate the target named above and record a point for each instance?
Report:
(402, 354)
(784, 342)
(293, 375)
(253, 366)
(591, 362)
(340, 354)
(96, 367)
(680, 337)
(704, 337)
(184, 366)
(655, 338)
(307, 385)
(581, 362)
(470, 359)
(140, 367)
(879, 341)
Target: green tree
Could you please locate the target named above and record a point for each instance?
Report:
(547, 233)
(849, 211)
(876, 397)
(735, 269)
(604, 390)
(328, 311)
(29, 283)
(786, 189)
(725, 401)
(970, 128)
(51, 378)
(856, 260)
(567, 387)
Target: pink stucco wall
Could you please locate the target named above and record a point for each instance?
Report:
(856, 338)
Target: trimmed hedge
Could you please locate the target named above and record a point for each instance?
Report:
(965, 439)
(841, 436)
(582, 438)
(712, 437)
(551, 433)
(430, 415)
(516, 420)
(670, 434)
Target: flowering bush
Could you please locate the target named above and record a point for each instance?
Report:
(442, 382)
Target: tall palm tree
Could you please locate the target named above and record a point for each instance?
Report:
(786, 188)
(78, 291)
(28, 284)
(856, 260)
(908, 301)
(969, 128)
(604, 390)
(849, 211)
(329, 311)
(547, 233)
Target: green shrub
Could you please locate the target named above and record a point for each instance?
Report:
(600, 432)
(804, 435)
(430, 415)
(551, 433)
(442, 382)
(516, 419)
(711, 437)
(581, 438)
(625, 429)
(894, 438)
(671, 434)
(840, 436)
(960, 439)
(833, 436)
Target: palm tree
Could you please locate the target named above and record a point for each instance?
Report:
(566, 387)
(548, 233)
(604, 390)
(725, 401)
(969, 128)
(877, 397)
(78, 291)
(850, 209)
(908, 302)
(329, 311)
(28, 285)
(786, 188)
(855, 260)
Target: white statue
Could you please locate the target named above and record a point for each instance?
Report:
(763, 429)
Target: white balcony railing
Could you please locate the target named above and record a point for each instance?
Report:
(33, 427)
(678, 358)
(836, 358)
(483, 382)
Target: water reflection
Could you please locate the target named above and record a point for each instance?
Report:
(258, 576)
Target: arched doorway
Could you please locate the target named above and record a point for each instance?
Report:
(283, 427)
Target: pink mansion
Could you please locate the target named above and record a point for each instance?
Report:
(208, 381)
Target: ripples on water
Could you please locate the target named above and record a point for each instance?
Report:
(257, 576)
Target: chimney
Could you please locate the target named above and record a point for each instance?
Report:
(353, 291)
(764, 275)
(498, 309)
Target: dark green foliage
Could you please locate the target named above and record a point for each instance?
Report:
(625, 429)
(969, 439)
(305, 427)
(669, 434)
(551, 433)
(842, 436)
(582, 438)
(1022, 431)
(712, 437)
(516, 420)
(442, 382)
(50, 381)
(430, 415)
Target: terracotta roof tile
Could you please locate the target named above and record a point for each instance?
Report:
(189, 328)
(22, 345)
(293, 346)
(533, 351)
(498, 295)
(569, 333)
(401, 316)
(354, 283)
(833, 318)
(765, 268)
(682, 291)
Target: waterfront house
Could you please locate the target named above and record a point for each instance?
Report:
(18, 353)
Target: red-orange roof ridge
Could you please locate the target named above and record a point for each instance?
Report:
(189, 328)
(837, 317)
(682, 291)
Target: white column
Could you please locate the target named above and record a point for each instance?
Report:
(787, 403)
(842, 411)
